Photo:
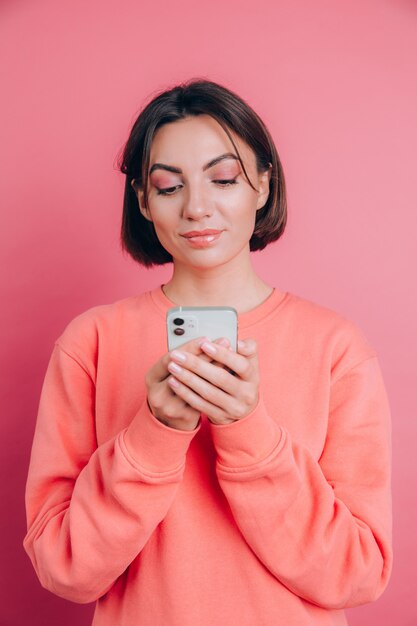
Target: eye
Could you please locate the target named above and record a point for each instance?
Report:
(168, 191)
(226, 183)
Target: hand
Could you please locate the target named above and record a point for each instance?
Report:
(168, 407)
(210, 388)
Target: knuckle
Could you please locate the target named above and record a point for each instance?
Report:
(239, 410)
(215, 397)
(246, 368)
(191, 359)
(198, 403)
(193, 346)
(218, 414)
(155, 401)
(224, 376)
(249, 397)
(184, 376)
(148, 379)
(168, 412)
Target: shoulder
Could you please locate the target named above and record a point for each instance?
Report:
(341, 337)
(83, 334)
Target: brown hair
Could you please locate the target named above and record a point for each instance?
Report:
(197, 97)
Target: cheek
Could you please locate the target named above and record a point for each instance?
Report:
(239, 196)
(165, 228)
(162, 229)
(240, 208)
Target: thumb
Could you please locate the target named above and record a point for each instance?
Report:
(248, 347)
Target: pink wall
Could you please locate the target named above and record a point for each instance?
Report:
(335, 82)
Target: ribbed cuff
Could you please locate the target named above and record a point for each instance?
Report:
(247, 441)
(155, 446)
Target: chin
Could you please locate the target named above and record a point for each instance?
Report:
(206, 259)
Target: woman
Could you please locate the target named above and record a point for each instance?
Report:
(207, 486)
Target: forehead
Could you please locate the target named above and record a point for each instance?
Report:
(194, 140)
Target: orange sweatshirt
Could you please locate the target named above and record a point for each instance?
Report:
(283, 517)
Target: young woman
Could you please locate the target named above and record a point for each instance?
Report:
(206, 486)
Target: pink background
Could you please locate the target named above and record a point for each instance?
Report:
(335, 82)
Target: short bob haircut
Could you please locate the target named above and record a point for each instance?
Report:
(192, 98)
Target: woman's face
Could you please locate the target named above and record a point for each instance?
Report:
(204, 211)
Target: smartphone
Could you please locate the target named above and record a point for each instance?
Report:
(185, 323)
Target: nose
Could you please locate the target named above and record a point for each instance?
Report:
(197, 204)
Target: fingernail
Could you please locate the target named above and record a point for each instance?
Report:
(208, 347)
(240, 344)
(173, 382)
(224, 342)
(178, 356)
(174, 368)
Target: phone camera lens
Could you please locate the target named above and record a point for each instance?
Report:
(178, 321)
(179, 331)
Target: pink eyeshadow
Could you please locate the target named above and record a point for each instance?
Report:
(226, 173)
(162, 181)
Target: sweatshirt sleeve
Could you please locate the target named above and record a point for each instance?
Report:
(91, 509)
(322, 528)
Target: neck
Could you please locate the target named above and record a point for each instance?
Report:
(233, 285)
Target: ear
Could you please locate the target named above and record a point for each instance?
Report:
(263, 188)
(141, 200)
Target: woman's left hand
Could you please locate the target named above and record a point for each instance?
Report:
(210, 388)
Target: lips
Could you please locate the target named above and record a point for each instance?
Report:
(202, 238)
(201, 233)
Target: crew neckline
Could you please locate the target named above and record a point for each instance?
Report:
(248, 318)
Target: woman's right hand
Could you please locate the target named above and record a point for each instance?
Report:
(164, 404)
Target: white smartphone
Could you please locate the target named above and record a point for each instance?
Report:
(185, 323)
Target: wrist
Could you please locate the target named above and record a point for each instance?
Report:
(220, 422)
(179, 424)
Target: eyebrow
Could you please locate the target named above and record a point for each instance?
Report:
(177, 170)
